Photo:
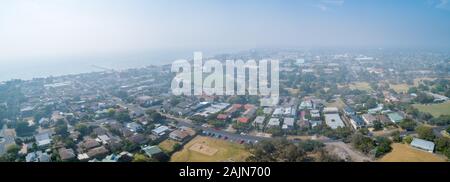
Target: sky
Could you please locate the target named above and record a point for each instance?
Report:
(31, 29)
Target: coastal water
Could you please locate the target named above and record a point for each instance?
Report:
(43, 67)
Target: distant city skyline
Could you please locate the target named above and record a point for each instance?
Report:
(49, 28)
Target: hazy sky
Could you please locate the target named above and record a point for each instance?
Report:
(40, 28)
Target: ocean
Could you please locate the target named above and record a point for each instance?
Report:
(27, 69)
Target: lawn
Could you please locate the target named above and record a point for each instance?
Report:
(167, 145)
(434, 109)
(400, 87)
(222, 150)
(338, 103)
(418, 81)
(405, 153)
(360, 86)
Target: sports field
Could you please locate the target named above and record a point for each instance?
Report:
(434, 109)
(405, 153)
(207, 149)
(400, 88)
(361, 86)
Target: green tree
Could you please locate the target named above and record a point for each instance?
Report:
(442, 144)
(377, 126)
(24, 129)
(83, 129)
(123, 116)
(396, 137)
(408, 124)
(425, 132)
(408, 139)
(61, 128)
(277, 150)
(383, 146)
(362, 143)
(141, 158)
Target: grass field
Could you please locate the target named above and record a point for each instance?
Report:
(167, 145)
(361, 86)
(400, 87)
(417, 81)
(434, 109)
(338, 103)
(405, 153)
(226, 151)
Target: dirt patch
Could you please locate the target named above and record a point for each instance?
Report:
(203, 149)
(346, 152)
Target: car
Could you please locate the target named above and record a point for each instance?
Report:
(225, 138)
(242, 141)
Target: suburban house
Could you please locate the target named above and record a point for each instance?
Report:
(66, 154)
(315, 114)
(134, 127)
(274, 122)
(152, 151)
(98, 152)
(288, 123)
(179, 135)
(37, 157)
(161, 130)
(369, 119)
(43, 139)
(259, 121)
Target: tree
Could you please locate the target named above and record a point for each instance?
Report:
(442, 144)
(13, 149)
(11, 153)
(425, 132)
(275, 131)
(383, 146)
(377, 126)
(396, 136)
(441, 120)
(61, 128)
(412, 90)
(277, 150)
(123, 116)
(362, 143)
(24, 129)
(141, 158)
(408, 124)
(83, 129)
(424, 98)
(156, 117)
(408, 139)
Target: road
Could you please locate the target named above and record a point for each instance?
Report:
(231, 136)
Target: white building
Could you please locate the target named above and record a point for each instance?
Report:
(274, 122)
(288, 123)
